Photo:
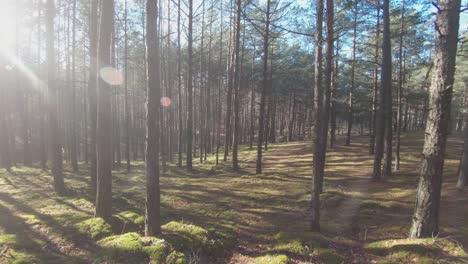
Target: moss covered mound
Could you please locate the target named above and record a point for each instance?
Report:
(307, 243)
(188, 237)
(426, 250)
(127, 221)
(94, 228)
(133, 248)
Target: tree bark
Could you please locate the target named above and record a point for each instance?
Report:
(376, 84)
(317, 120)
(463, 169)
(92, 92)
(153, 199)
(400, 88)
(55, 151)
(261, 119)
(426, 213)
(190, 87)
(104, 128)
(236, 86)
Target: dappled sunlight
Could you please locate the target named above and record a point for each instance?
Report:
(254, 208)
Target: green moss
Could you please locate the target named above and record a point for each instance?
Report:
(8, 240)
(131, 217)
(298, 242)
(293, 246)
(131, 248)
(12, 256)
(422, 250)
(22, 258)
(187, 237)
(272, 259)
(191, 236)
(31, 219)
(127, 221)
(94, 228)
(328, 256)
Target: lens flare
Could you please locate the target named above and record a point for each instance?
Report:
(111, 76)
(166, 101)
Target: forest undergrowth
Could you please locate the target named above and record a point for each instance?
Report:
(214, 215)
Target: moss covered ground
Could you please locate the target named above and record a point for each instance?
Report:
(213, 215)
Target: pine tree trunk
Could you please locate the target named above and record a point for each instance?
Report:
(261, 119)
(153, 199)
(54, 133)
(236, 86)
(463, 169)
(190, 87)
(92, 93)
(104, 128)
(353, 68)
(426, 214)
(400, 89)
(375, 85)
(317, 120)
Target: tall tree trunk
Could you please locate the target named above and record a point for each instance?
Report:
(73, 138)
(317, 120)
(190, 87)
(92, 92)
(400, 88)
(153, 199)
(261, 120)
(385, 86)
(463, 169)
(236, 84)
(376, 83)
(334, 94)
(179, 87)
(426, 213)
(127, 108)
(387, 82)
(55, 151)
(327, 90)
(104, 127)
(353, 69)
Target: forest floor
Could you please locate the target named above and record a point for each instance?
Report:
(238, 217)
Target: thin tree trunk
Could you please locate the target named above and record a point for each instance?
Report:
(92, 92)
(317, 120)
(463, 169)
(400, 88)
(261, 120)
(376, 83)
(353, 69)
(387, 83)
(236, 84)
(190, 87)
